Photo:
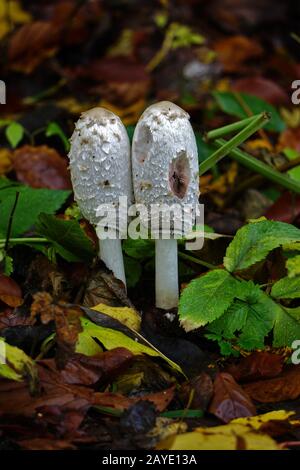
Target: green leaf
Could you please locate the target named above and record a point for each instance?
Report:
(248, 320)
(30, 204)
(254, 241)
(206, 298)
(286, 288)
(133, 271)
(293, 266)
(15, 364)
(54, 129)
(14, 133)
(230, 105)
(287, 326)
(139, 249)
(68, 238)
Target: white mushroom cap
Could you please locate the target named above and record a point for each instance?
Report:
(100, 161)
(165, 159)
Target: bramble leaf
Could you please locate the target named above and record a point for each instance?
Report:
(254, 241)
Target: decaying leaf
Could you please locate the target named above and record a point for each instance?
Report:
(230, 400)
(127, 316)
(284, 387)
(41, 167)
(239, 434)
(10, 292)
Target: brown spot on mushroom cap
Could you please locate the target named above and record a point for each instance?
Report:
(179, 175)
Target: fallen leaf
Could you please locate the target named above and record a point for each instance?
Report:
(285, 209)
(10, 292)
(67, 323)
(88, 370)
(6, 163)
(202, 390)
(258, 365)
(284, 387)
(10, 14)
(230, 400)
(103, 288)
(235, 51)
(16, 365)
(290, 138)
(240, 434)
(127, 316)
(31, 44)
(41, 167)
(264, 88)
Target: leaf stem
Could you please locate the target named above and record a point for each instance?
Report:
(262, 168)
(228, 146)
(196, 260)
(22, 240)
(225, 130)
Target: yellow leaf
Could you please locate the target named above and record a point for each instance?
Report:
(15, 364)
(127, 316)
(5, 161)
(240, 433)
(258, 144)
(208, 441)
(115, 339)
(11, 13)
(256, 422)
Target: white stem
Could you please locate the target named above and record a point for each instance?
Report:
(111, 254)
(166, 274)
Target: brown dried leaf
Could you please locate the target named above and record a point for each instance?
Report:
(235, 51)
(260, 364)
(230, 400)
(262, 87)
(32, 44)
(284, 387)
(41, 167)
(10, 292)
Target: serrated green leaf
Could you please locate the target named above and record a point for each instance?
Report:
(287, 326)
(254, 241)
(30, 204)
(231, 105)
(206, 298)
(68, 238)
(248, 320)
(14, 133)
(293, 266)
(286, 288)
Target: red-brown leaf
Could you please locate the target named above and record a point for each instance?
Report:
(284, 387)
(10, 292)
(41, 167)
(285, 209)
(263, 88)
(230, 400)
(258, 365)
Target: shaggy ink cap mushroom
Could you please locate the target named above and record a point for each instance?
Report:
(101, 173)
(166, 172)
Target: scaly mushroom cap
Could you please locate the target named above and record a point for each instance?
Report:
(164, 158)
(100, 161)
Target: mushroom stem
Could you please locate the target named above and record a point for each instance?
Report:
(166, 273)
(111, 255)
